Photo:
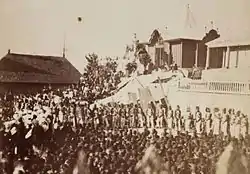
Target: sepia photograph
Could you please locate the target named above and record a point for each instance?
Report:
(124, 87)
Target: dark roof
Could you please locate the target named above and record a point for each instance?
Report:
(181, 39)
(24, 68)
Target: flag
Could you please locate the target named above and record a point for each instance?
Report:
(143, 99)
(132, 97)
(151, 163)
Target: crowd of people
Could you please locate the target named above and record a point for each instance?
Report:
(43, 133)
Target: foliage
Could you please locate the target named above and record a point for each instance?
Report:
(143, 56)
(131, 67)
(100, 80)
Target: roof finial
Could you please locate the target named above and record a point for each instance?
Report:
(135, 37)
(64, 45)
(212, 25)
(8, 51)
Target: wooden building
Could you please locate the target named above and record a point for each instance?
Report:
(228, 54)
(26, 73)
(184, 51)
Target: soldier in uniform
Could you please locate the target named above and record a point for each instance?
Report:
(170, 119)
(161, 116)
(141, 118)
(198, 120)
(135, 116)
(224, 121)
(208, 120)
(150, 116)
(244, 125)
(217, 121)
(237, 124)
(178, 118)
(122, 114)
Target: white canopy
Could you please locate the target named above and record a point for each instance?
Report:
(138, 82)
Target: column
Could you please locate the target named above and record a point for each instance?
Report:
(237, 58)
(196, 54)
(208, 58)
(228, 57)
(224, 58)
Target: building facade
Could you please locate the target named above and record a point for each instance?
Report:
(184, 51)
(228, 54)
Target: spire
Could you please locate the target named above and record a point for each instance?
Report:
(190, 21)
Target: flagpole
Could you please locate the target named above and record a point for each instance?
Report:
(140, 83)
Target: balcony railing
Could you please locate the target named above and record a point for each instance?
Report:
(216, 87)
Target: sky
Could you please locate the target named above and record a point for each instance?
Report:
(39, 26)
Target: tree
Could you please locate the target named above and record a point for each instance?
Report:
(143, 56)
(92, 62)
(131, 67)
(144, 59)
(100, 80)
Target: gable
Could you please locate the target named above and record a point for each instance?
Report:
(155, 37)
(211, 35)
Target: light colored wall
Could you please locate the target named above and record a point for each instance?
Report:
(151, 52)
(192, 99)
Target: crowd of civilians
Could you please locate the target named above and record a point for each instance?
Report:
(43, 133)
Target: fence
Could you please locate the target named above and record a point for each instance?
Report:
(242, 88)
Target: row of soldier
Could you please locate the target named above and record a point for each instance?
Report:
(215, 121)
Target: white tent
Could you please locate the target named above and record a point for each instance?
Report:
(135, 83)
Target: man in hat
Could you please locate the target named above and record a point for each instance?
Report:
(198, 120)
(208, 120)
(178, 118)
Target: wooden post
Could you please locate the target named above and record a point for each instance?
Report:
(208, 58)
(224, 59)
(237, 57)
(228, 57)
(196, 54)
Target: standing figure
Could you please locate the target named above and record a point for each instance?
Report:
(140, 117)
(150, 116)
(178, 118)
(161, 116)
(237, 124)
(170, 120)
(232, 123)
(135, 116)
(188, 119)
(122, 114)
(105, 117)
(198, 120)
(224, 122)
(217, 122)
(96, 118)
(208, 120)
(244, 125)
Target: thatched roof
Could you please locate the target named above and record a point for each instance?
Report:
(23, 68)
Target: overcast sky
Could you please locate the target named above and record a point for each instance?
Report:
(37, 26)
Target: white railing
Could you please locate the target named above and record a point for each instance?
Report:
(216, 87)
